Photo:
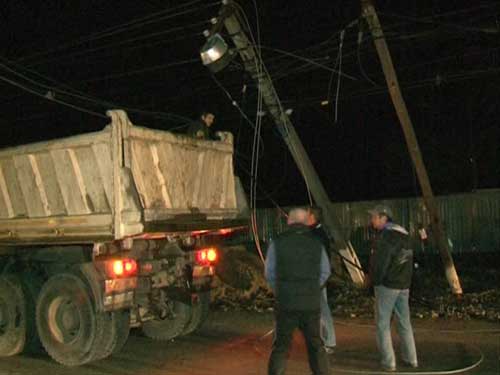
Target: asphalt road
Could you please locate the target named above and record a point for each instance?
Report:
(233, 343)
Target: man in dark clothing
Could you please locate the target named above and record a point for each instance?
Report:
(296, 269)
(391, 273)
(200, 128)
(318, 230)
(327, 329)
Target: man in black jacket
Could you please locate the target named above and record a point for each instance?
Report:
(200, 128)
(296, 268)
(391, 273)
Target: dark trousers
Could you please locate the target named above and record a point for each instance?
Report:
(309, 323)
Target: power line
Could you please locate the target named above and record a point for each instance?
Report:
(310, 61)
(358, 50)
(79, 95)
(134, 24)
(360, 64)
(337, 93)
(413, 85)
(139, 71)
(125, 42)
(233, 102)
(394, 36)
(47, 96)
(444, 24)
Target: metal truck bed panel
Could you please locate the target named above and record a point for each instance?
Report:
(112, 184)
(178, 175)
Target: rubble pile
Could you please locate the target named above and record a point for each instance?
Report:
(240, 284)
(355, 303)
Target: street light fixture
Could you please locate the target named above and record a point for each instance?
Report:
(215, 53)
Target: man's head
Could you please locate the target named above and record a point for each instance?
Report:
(314, 215)
(298, 216)
(380, 216)
(207, 118)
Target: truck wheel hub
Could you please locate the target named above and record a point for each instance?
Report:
(64, 320)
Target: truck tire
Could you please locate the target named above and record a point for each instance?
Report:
(66, 319)
(122, 326)
(170, 327)
(12, 316)
(105, 339)
(199, 311)
(115, 332)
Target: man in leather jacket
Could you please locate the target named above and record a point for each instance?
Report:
(391, 274)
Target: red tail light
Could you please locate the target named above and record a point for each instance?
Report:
(212, 255)
(121, 268)
(206, 256)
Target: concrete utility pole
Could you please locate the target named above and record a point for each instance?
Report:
(370, 15)
(251, 61)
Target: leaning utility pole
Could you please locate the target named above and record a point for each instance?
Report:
(252, 64)
(370, 15)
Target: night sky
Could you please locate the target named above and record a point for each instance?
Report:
(144, 56)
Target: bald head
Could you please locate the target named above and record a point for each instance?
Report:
(298, 216)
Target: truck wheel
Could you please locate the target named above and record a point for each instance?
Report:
(12, 316)
(169, 327)
(122, 326)
(66, 320)
(199, 312)
(105, 339)
(115, 332)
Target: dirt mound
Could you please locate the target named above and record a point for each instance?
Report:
(240, 281)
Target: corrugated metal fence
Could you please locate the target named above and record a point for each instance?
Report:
(472, 221)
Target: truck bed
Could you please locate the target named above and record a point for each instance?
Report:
(123, 181)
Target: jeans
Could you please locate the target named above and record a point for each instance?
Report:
(327, 330)
(388, 301)
(308, 322)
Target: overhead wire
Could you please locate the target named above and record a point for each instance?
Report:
(430, 81)
(338, 62)
(109, 46)
(153, 18)
(259, 66)
(306, 68)
(337, 93)
(139, 71)
(243, 103)
(266, 193)
(283, 114)
(247, 119)
(48, 97)
(444, 24)
(414, 85)
(257, 134)
(82, 96)
(360, 64)
(404, 36)
(389, 36)
(310, 61)
(322, 46)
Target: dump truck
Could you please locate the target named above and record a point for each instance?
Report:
(102, 232)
